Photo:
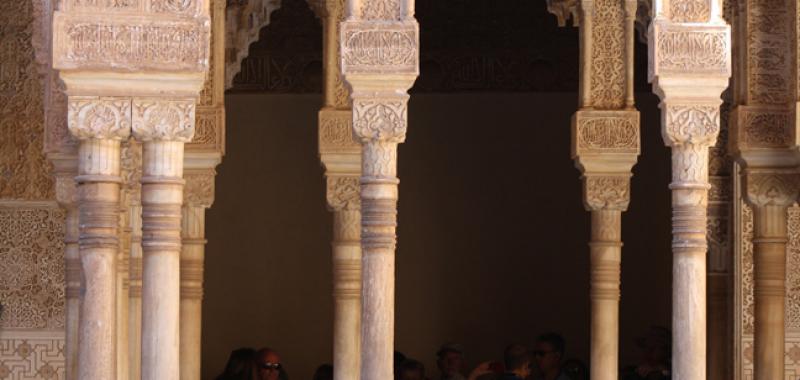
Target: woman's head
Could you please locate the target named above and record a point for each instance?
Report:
(241, 365)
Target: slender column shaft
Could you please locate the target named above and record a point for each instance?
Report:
(162, 197)
(135, 292)
(346, 293)
(73, 292)
(98, 202)
(123, 291)
(378, 222)
(192, 256)
(769, 255)
(606, 255)
(689, 203)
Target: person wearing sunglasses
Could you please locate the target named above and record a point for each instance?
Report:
(269, 365)
(548, 354)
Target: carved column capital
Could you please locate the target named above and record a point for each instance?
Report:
(156, 119)
(343, 193)
(107, 118)
(690, 123)
(771, 187)
(199, 188)
(607, 192)
(380, 119)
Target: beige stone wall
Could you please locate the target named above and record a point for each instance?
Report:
(31, 223)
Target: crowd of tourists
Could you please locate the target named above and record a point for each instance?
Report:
(545, 360)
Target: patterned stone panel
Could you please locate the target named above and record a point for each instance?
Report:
(24, 172)
(608, 80)
(792, 357)
(379, 48)
(29, 355)
(31, 266)
(697, 49)
(769, 52)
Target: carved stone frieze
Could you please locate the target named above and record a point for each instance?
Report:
(99, 117)
(606, 192)
(369, 47)
(767, 46)
(336, 132)
(606, 132)
(130, 43)
(32, 355)
(178, 7)
(380, 119)
(680, 49)
(163, 119)
(343, 193)
(199, 188)
(209, 134)
(31, 266)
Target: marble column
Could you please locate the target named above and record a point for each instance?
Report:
(100, 124)
(605, 146)
(164, 125)
(379, 84)
(66, 194)
(690, 63)
(340, 155)
(198, 196)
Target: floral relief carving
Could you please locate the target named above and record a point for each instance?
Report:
(748, 300)
(174, 6)
(381, 10)
(131, 166)
(687, 50)
(85, 42)
(608, 80)
(793, 275)
(32, 267)
(608, 133)
(102, 118)
(692, 123)
(344, 193)
(690, 10)
(385, 48)
(199, 188)
(380, 159)
(768, 129)
(163, 119)
(380, 119)
(208, 125)
(607, 192)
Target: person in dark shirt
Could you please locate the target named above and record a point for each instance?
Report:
(549, 354)
(656, 353)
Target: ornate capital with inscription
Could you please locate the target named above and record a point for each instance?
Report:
(99, 118)
(771, 187)
(606, 192)
(163, 119)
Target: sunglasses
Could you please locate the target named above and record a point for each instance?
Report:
(268, 365)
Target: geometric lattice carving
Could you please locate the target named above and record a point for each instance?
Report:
(32, 357)
(31, 267)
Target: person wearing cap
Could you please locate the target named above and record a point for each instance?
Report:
(450, 360)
